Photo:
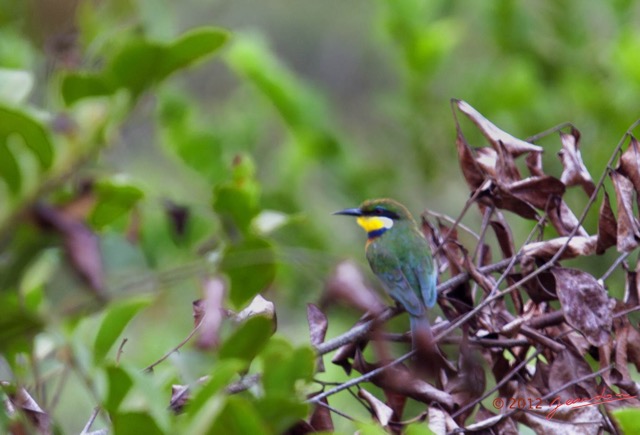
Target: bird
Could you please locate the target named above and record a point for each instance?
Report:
(400, 257)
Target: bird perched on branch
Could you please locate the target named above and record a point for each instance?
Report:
(399, 255)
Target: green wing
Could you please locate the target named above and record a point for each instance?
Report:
(427, 278)
(388, 269)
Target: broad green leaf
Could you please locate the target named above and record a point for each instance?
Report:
(114, 199)
(76, 86)
(284, 366)
(628, 419)
(9, 169)
(250, 267)
(15, 85)
(119, 383)
(420, 428)
(239, 417)
(224, 371)
(303, 111)
(17, 326)
(142, 63)
(136, 66)
(203, 153)
(191, 47)
(248, 340)
(114, 322)
(135, 423)
(32, 135)
(280, 412)
(370, 429)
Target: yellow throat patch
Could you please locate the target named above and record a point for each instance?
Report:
(373, 224)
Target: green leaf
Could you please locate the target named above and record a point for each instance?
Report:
(281, 412)
(250, 267)
(191, 47)
(202, 152)
(239, 417)
(9, 169)
(115, 198)
(142, 63)
(76, 86)
(303, 111)
(136, 67)
(248, 340)
(135, 423)
(628, 419)
(15, 85)
(114, 322)
(119, 383)
(18, 326)
(33, 136)
(284, 366)
(224, 372)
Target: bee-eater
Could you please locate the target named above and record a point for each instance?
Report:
(399, 255)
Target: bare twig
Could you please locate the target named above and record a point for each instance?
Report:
(150, 367)
(92, 419)
(121, 350)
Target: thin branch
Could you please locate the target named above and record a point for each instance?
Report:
(451, 221)
(335, 411)
(92, 419)
(363, 378)
(614, 266)
(150, 367)
(121, 350)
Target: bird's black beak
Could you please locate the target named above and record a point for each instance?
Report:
(350, 212)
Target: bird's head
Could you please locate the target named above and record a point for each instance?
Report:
(377, 216)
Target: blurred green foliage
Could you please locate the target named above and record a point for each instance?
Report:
(225, 149)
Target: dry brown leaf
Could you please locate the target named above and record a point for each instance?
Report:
(208, 313)
(321, 420)
(576, 247)
(607, 226)
(381, 411)
(81, 246)
(631, 298)
(318, 324)
(514, 146)
(575, 172)
(440, 422)
(537, 191)
(585, 304)
(498, 424)
(534, 163)
(567, 420)
(506, 170)
(180, 395)
(494, 194)
(21, 401)
(564, 370)
(633, 347)
(487, 159)
(471, 170)
(399, 379)
(628, 226)
(503, 235)
(259, 306)
(629, 164)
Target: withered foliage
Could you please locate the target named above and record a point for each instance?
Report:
(526, 340)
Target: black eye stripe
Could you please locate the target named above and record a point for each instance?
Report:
(379, 211)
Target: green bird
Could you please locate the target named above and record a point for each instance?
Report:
(399, 255)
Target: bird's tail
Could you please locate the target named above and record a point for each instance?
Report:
(421, 335)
